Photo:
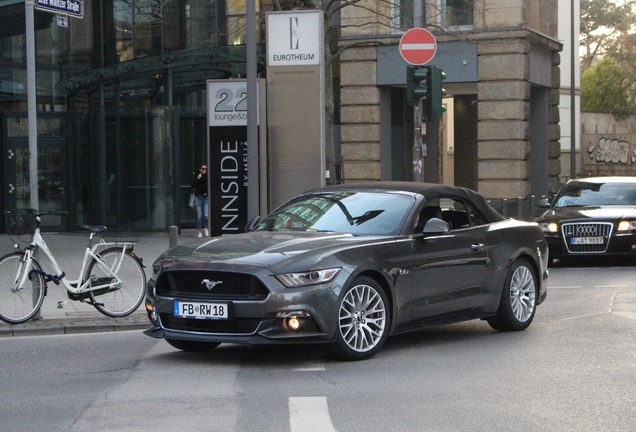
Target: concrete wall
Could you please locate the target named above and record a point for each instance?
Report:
(608, 145)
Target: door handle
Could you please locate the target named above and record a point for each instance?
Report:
(477, 247)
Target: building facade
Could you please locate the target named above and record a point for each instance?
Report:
(500, 134)
(121, 109)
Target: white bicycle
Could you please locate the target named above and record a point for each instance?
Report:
(112, 277)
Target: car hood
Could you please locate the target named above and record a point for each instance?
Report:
(264, 248)
(590, 212)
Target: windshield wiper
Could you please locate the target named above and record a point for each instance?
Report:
(359, 220)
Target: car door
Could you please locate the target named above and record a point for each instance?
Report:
(449, 270)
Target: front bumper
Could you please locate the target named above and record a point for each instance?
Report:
(262, 336)
(619, 244)
(253, 321)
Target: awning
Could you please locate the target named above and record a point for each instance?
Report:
(142, 78)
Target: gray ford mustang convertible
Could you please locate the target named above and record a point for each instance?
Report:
(348, 266)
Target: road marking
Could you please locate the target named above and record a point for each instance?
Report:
(311, 367)
(584, 316)
(608, 311)
(309, 414)
(595, 286)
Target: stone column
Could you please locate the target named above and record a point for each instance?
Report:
(360, 115)
(503, 118)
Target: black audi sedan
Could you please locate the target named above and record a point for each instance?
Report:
(349, 265)
(592, 216)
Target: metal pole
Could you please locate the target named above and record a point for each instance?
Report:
(417, 14)
(173, 236)
(418, 158)
(253, 185)
(31, 105)
(572, 94)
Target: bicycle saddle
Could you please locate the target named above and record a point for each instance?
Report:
(95, 229)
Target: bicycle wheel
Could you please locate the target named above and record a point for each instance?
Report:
(122, 299)
(19, 303)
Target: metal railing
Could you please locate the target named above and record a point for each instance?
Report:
(518, 208)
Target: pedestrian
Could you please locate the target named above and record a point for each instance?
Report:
(200, 190)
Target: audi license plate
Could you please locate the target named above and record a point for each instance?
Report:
(201, 310)
(586, 240)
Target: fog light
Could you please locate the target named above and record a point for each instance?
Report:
(293, 323)
(152, 313)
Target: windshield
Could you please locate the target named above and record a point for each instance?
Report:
(596, 194)
(360, 213)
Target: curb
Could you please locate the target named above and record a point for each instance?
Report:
(45, 327)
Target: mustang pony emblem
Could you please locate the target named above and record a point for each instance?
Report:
(210, 284)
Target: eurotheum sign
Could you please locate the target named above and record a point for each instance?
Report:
(293, 39)
(74, 8)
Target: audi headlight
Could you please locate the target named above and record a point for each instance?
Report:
(627, 225)
(312, 277)
(549, 227)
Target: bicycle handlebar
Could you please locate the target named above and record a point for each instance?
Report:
(54, 213)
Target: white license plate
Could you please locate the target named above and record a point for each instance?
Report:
(201, 310)
(586, 240)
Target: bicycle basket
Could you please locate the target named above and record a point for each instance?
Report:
(120, 235)
(19, 222)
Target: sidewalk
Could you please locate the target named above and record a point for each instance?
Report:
(77, 317)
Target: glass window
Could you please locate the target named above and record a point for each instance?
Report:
(236, 30)
(456, 13)
(123, 28)
(453, 211)
(581, 194)
(147, 32)
(405, 14)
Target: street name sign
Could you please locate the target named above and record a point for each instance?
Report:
(73, 8)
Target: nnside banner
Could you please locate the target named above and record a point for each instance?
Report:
(227, 172)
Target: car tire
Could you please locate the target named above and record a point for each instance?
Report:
(192, 346)
(518, 298)
(364, 319)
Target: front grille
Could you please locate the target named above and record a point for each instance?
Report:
(582, 237)
(211, 285)
(246, 326)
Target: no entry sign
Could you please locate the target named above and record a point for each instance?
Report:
(418, 46)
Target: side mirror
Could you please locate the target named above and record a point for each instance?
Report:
(252, 223)
(436, 226)
(544, 203)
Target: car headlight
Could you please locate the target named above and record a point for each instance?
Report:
(627, 225)
(312, 277)
(549, 227)
(161, 263)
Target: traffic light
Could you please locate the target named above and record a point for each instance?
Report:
(416, 83)
(426, 82)
(434, 93)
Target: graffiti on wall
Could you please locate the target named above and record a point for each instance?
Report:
(612, 151)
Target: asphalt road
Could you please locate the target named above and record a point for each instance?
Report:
(574, 369)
